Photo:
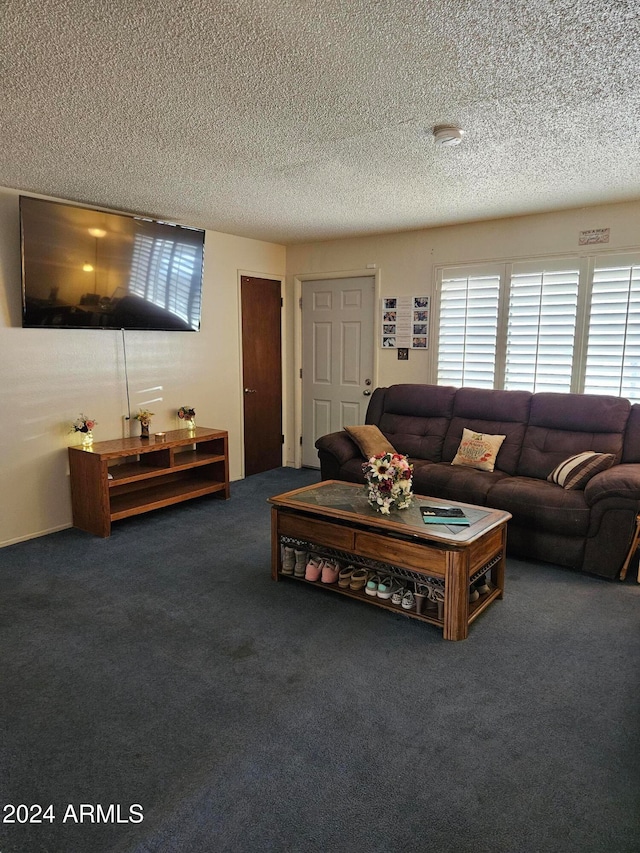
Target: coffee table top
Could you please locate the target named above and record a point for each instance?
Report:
(348, 501)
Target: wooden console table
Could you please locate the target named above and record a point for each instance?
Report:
(117, 479)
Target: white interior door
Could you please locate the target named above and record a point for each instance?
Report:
(337, 357)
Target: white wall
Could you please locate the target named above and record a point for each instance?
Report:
(49, 376)
(407, 260)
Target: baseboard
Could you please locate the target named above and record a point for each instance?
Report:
(26, 538)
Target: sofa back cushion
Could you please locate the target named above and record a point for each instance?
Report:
(494, 412)
(561, 425)
(415, 419)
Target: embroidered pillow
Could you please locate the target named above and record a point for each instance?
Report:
(478, 450)
(370, 440)
(576, 471)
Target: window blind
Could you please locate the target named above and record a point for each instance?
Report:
(613, 341)
(468, 330)
(541, 329)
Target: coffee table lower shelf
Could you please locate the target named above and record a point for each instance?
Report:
(455, 613)
(475, 607)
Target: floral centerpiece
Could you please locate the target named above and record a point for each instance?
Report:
(84, 425)
(188, 414)
(389, 481)
(144, 416)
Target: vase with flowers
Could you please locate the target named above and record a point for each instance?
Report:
(84, 425)
(389, 479)
(144, 416)
(188, 415)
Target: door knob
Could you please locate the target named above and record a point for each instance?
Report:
(366, 393)
(249, 390)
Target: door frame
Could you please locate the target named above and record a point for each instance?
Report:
(281, 279)
(298, 283)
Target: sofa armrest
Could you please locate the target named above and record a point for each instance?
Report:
(334, 451)
(621, 481)
(340, 445)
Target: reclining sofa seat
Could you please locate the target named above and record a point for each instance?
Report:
(589, 528)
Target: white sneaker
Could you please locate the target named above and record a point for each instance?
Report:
(408, 600)
(397, 594)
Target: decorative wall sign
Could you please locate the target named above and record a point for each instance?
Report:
(594, 235)
(405, 322)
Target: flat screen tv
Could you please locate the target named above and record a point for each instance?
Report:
(84, 268)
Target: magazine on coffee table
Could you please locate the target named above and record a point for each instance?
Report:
(444, 515)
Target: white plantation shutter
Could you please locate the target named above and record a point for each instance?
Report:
(564, 324)
(613, 342)
(541, 327)
(468, 329)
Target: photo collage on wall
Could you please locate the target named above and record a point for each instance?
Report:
(405, 322)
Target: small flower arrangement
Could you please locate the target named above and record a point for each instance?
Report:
(389, 482)
(144, 416)
(83, 424)
(186, 413)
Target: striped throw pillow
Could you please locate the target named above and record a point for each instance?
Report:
(576, 471)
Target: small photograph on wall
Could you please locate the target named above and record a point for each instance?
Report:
(404, 322)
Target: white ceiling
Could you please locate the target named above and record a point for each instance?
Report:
(291, 121)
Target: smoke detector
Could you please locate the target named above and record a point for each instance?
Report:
(447, 134)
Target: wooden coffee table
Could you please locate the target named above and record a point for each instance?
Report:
(333, 518)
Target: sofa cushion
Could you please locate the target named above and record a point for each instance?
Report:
(478, 450)
(576, 471)
(561, 425)
(454, 483)
(542, 505)
(416, 419)
(370, 440)
(495, 412)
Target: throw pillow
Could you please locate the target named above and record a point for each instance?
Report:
(370, 440)
(576, 471)
(478, 450)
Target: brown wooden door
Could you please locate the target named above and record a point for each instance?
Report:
(261, 308)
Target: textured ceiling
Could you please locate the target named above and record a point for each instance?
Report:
(292, 121)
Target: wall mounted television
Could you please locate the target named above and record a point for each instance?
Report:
(88, 269)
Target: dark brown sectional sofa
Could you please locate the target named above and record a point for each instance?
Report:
(588, 529)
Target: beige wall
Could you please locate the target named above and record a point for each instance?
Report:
(407, 261)
(49, 376)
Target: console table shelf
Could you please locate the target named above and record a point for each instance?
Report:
(117, 479)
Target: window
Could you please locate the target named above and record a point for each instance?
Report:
(548, 325)
(613, 349)
(468, 330)
(541, 328)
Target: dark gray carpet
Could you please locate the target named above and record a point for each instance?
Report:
(163, 667)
